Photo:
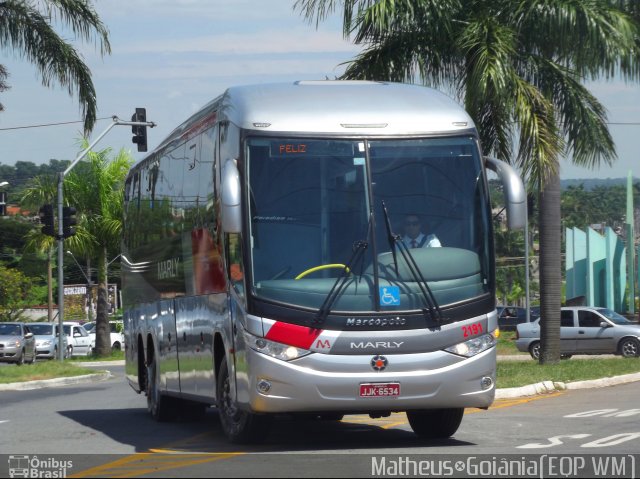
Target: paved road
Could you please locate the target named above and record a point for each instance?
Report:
(108, 423)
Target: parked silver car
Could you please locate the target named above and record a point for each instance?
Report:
(47, 340)
(17, 344)
(585, 330)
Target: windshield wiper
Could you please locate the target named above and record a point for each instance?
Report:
(359, 248)
(396, 241)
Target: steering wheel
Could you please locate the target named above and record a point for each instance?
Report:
(321, 267)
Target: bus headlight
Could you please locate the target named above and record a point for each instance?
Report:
(276, 350)
(475, 345)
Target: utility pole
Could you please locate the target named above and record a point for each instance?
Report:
(141, 128)
(631, 248)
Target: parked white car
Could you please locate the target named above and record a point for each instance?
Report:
(80, 343)
(117, 333)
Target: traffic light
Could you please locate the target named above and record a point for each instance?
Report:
(68, 221)
(531, 205)
(47, 220)
(139, 131)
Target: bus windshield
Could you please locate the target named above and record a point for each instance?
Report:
(317, 220)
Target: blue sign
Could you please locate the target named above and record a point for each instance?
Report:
(389, 296)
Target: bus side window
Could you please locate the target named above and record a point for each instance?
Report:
(236, 268)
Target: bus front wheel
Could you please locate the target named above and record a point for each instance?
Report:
(240, 427)
(435, 423)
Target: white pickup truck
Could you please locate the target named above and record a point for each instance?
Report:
(117, 333)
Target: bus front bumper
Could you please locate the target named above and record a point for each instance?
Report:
(321, 382)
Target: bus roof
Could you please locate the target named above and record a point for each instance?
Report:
(344, 107)
(337, 107)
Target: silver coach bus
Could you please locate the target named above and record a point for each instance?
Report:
(265, 270)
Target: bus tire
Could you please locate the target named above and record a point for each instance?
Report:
(160, 407)
(240, 427)
(435, 423)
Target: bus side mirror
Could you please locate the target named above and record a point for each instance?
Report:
(515, 197)
(231, 198)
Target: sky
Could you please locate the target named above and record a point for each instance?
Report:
(174, 56)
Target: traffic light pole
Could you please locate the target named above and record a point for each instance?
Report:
(60, 236)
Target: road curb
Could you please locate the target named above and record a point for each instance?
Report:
(546, 387)
(51, 383)
(117, 362)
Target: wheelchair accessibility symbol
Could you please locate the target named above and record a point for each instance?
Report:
(389, 296)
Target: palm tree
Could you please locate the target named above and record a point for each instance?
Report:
(41, 190)
(26, 29)
(518, 67)
(3, 82)
(96, 187)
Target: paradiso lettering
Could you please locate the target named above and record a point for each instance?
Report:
(168, 268)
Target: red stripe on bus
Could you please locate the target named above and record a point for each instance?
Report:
(293, 335)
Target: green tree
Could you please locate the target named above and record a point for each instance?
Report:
(518, 67)
(510, 272)
(96, 187)
(14, 290)
(27, 30)
(600, 205)
(11, 235)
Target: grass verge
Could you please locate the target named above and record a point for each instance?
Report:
(507, 343)
(41, 370)
(520, 373)
(114, 356)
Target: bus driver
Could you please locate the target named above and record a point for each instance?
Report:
(414, 237)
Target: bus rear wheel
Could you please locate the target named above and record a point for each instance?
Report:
(161, 407)
(240, 427)
(435, 423)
